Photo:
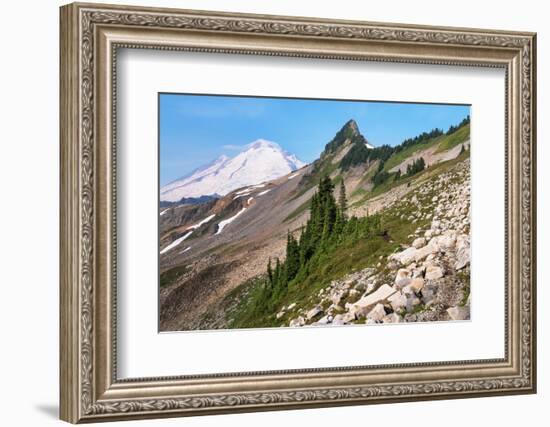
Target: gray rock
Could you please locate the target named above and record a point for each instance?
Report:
(423, 252)
(398, 301)
(418, 272)
(433, 272)
(459, 313)
(419, 242)
(347, 317)
(338, 320)
(325, 320)
(405, 257)
(377, 313)
(429, 292)
(416, 284)
(314, 312)
(336, 297)
(402, 278)
(380, 295)
(392, 318)
(446, 242)
(299, 321)
(462, 252)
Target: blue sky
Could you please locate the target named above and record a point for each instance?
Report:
(196, 129)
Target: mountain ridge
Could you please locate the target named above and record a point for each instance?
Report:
(261, 161)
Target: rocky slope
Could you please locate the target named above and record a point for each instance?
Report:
(428, 280)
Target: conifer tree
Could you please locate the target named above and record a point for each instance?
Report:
(292, 257)
(343, 202)
(276, 273)
(270, 272)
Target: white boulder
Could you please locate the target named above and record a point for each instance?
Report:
(299, 321)
(433, 272)
(377, 313)
(314, 312)
(459, 313)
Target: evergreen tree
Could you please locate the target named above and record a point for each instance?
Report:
(292, 257)
(416, 166)
(343, 202)
(276, 274)
(421, 164)
(270, 272)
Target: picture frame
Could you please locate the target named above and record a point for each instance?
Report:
(91, 35)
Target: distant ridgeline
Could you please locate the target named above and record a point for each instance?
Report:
(188, 201)
(360, 152)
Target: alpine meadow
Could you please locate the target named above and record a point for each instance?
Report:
(281, 212)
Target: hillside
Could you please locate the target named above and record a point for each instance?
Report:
(214, 255)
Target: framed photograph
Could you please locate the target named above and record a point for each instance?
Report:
(266, 212)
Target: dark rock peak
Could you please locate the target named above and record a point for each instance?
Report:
(350, 131)
(352, 126)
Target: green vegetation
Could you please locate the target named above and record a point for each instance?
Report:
(170, 276)
(381, 176)
(328, 246)
(462, 134)
(445, 141)
(425, 174)
(322, 167)
(359, 154)
(465, 279)
(417, 166)
(331, 244)
(359, 245)
(453, 129)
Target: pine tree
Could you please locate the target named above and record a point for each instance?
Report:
(276, 274)
(270, 272)
(421, 164)
(343, 202)
(292, 257)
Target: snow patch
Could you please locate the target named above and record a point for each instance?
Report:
(164, 211)
(185, 250)
(204, 221)
(242, 192)
(249, 200)
(294, 175)
(175, 243)
(241, 195)
(264, 192)
(228, 221)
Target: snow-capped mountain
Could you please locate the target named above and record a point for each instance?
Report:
(261, 161)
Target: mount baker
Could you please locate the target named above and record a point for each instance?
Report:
(261, 161)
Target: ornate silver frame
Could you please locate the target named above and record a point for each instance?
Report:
(90, 36)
